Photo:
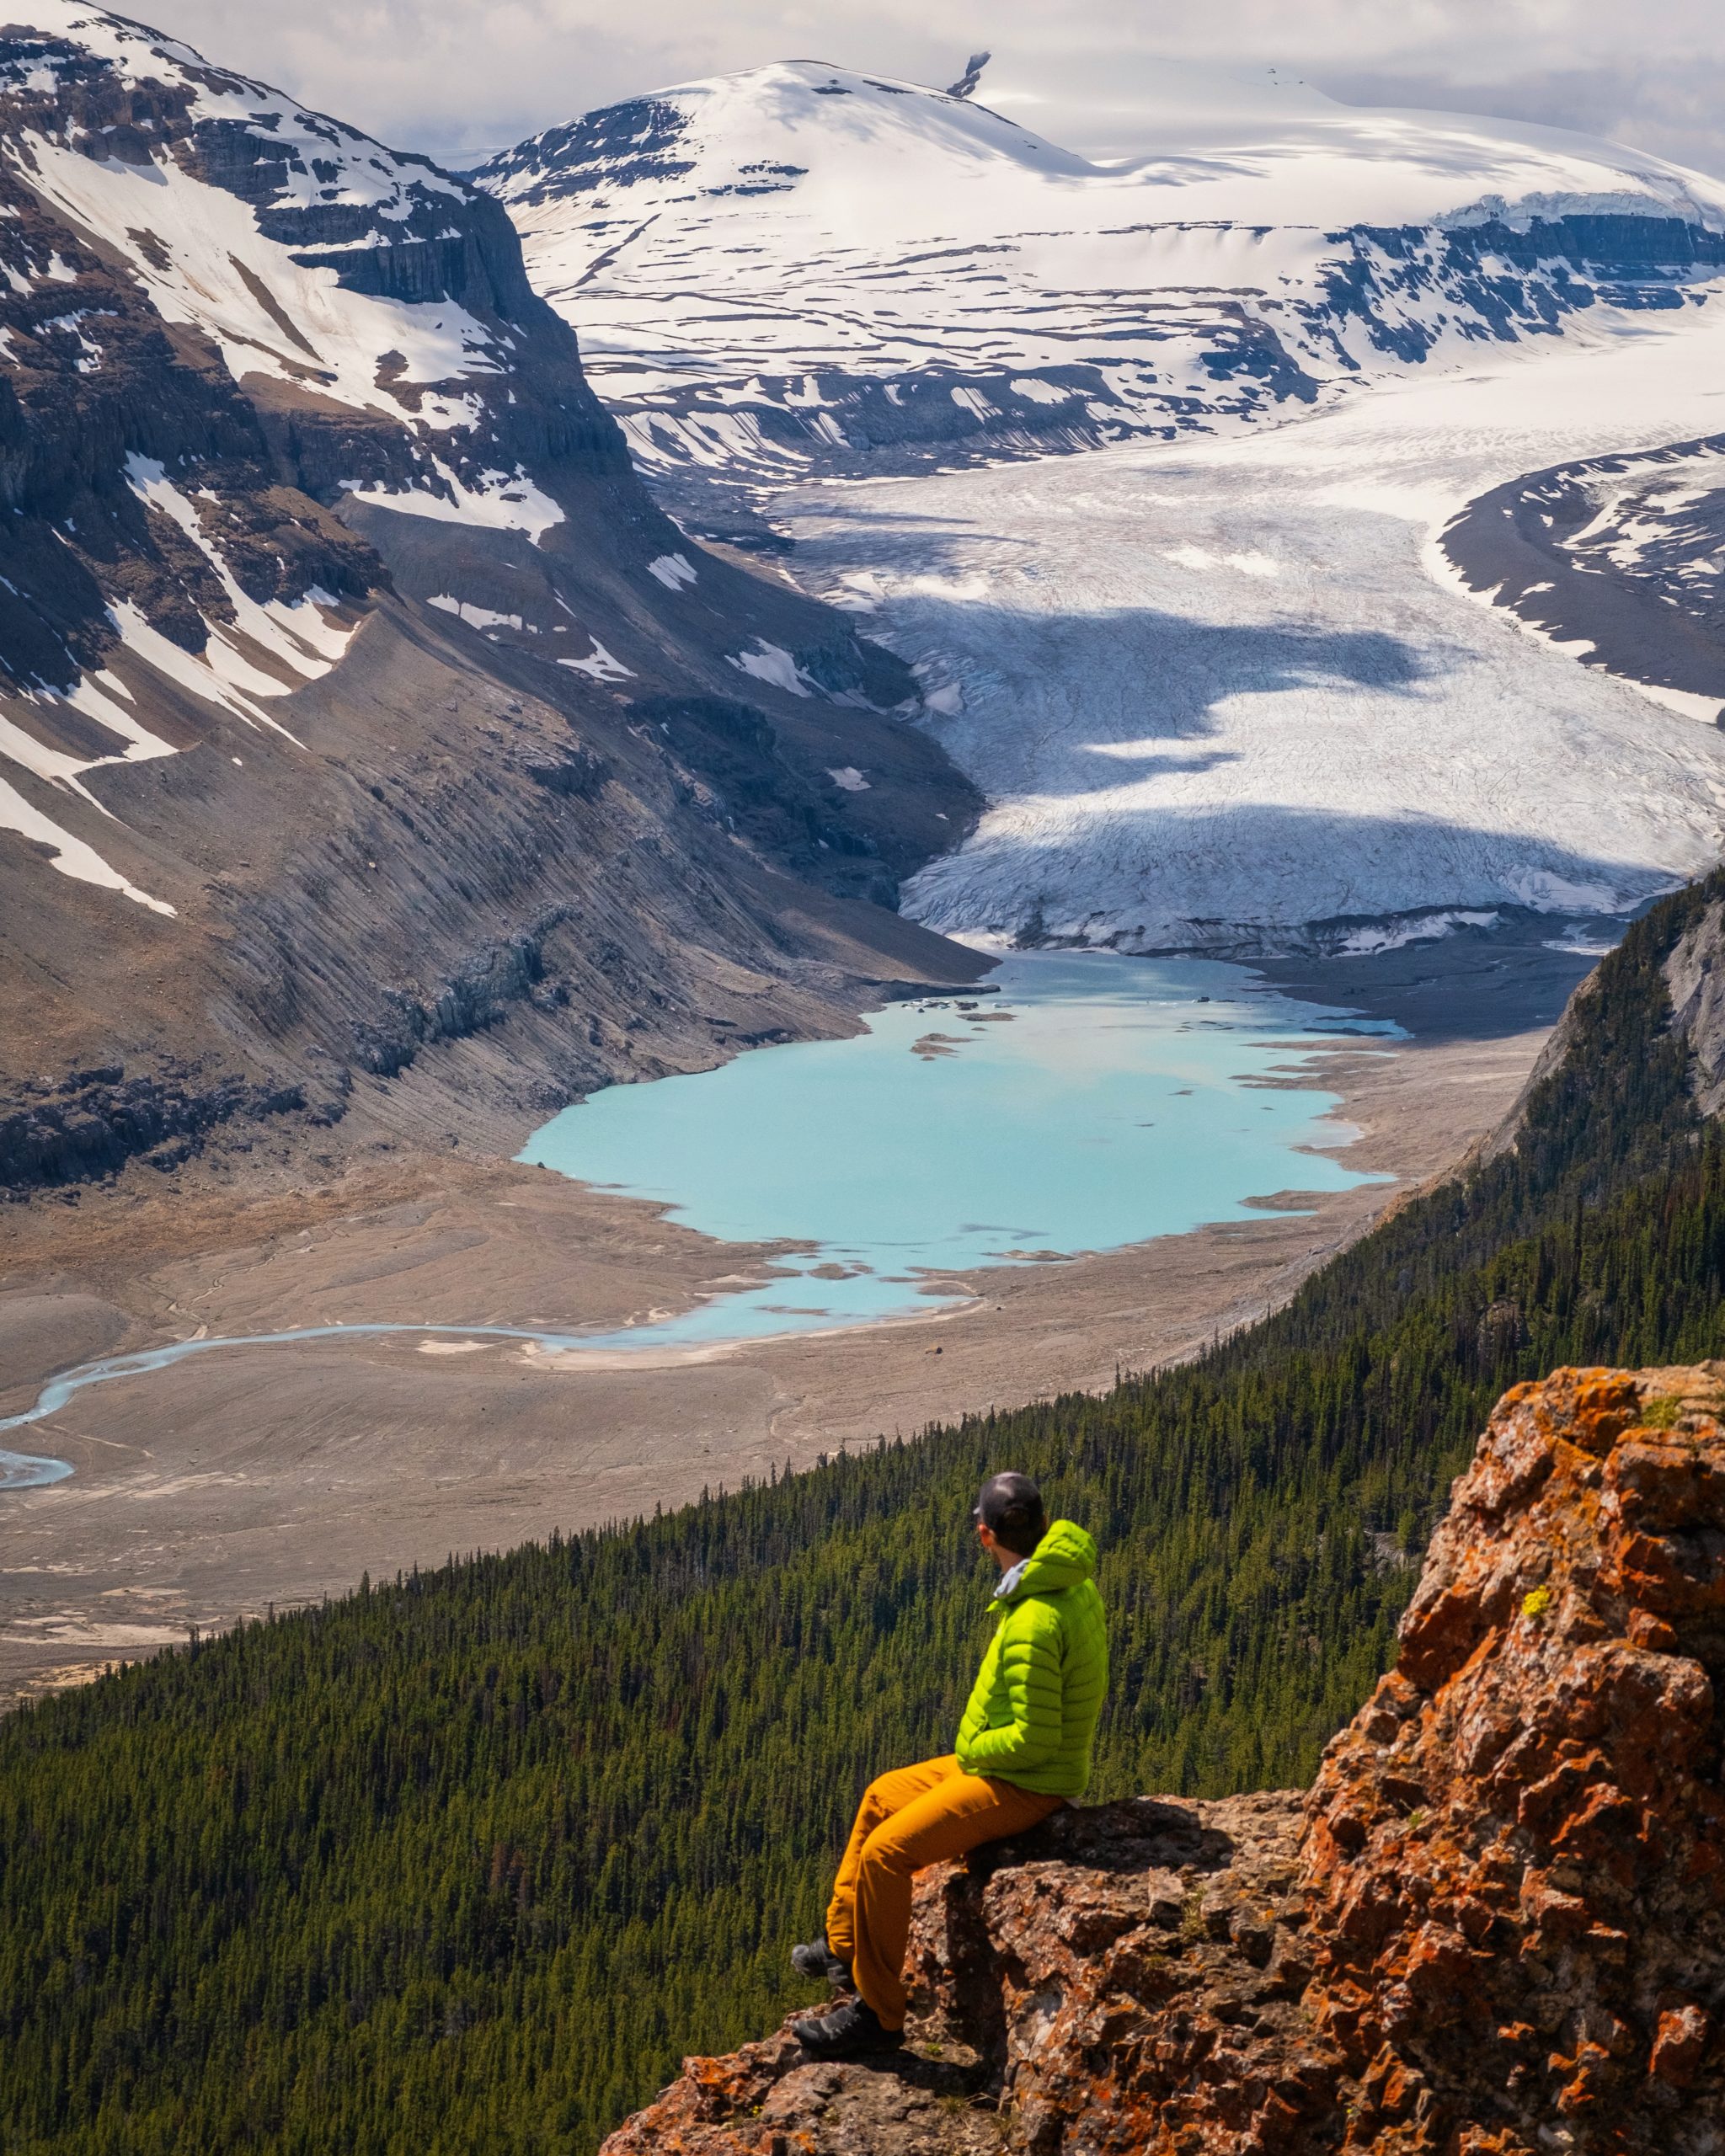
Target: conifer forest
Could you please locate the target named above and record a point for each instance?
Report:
(464, 1862)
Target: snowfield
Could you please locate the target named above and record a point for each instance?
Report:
(792, 268)
(1225, 695)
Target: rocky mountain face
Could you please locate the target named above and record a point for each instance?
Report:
(802, 269)
(376, 761)
(1618, 559)
(1495, 1926)
(1695, 975)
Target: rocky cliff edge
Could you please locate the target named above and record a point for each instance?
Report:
(1495, 1926)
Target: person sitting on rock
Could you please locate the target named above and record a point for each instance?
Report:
(1024, 1750)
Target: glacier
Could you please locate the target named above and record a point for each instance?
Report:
(1220, 683)
(1229, 696)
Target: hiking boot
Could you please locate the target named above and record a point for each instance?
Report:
(850, 2031)
(820, 1965)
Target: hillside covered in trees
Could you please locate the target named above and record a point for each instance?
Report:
(461, 1863)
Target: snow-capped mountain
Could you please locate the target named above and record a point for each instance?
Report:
(354, 696)
(1218, 689)
(801, 268)
(206, 283)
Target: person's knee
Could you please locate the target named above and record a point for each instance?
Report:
(885, 1855)
(882, 1798)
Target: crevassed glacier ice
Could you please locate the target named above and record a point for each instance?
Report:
(1222, 696)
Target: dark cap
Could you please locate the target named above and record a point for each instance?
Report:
(1008, 1501)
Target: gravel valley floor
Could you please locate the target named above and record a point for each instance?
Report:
(278, 1474)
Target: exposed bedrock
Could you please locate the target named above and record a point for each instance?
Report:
(1695, 975)
(1494, 1927)
(1616, 558)
(93, 1122)
(484, 886)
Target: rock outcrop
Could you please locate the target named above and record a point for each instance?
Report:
(1695, 973)
(1494, 1927)
(1614, 558)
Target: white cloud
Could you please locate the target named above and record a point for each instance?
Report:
(1675, 108)
(447, 75)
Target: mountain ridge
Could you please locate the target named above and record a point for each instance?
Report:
(358, 703)
(965, 288)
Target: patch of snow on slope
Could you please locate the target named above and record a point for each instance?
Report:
(476, 617)
(771, 661)
(101, 696)
(673, 571)
(599, 665)
(296, 637)
(60, 768)
(503, 501)
(71, 855)
(264, 652)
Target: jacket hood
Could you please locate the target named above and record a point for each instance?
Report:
(1064, 1555)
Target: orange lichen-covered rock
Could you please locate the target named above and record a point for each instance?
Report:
(769, 2099)
(1137, 1965)
(1495, 1926)
(1129, 1979)
(1523, 1924)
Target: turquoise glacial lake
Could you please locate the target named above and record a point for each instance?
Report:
(1074, 1103)
(1078, 1102)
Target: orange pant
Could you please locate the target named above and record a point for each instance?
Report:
(921, 1815)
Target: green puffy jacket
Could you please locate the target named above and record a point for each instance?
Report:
(1032, 1711)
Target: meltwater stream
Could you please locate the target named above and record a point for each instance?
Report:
(1074, 1102)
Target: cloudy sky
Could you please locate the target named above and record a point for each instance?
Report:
(449, 76)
